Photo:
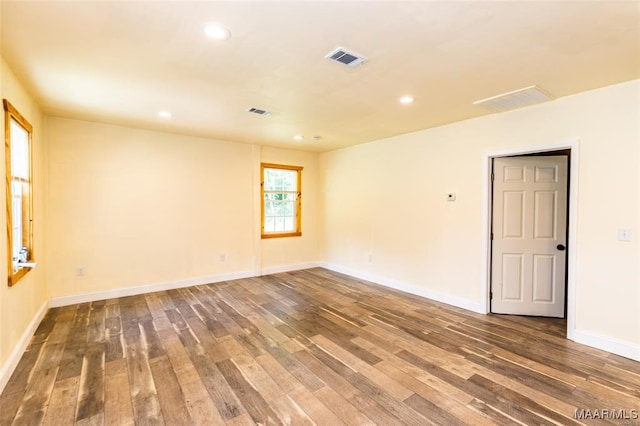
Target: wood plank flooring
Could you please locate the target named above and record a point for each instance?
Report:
(309, 347)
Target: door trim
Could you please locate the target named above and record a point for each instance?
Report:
(485, 285)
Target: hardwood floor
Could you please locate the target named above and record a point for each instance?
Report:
(309, 347)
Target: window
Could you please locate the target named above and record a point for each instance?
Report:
(19, 192)
(281, 200)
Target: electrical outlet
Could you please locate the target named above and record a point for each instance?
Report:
(80, 271)
(624, 234)
(370, 258)
(222, 257)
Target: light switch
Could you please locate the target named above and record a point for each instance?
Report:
(624, 234)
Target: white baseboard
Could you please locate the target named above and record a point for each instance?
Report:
(148, 288)
(409, 288)
(608, 344)
(12, 362)
(288, 268)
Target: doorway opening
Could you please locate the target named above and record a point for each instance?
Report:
(568, 151)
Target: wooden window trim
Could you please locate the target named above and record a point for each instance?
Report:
(298, 231)
(11, 113)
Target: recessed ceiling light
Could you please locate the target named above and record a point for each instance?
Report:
(164, 114)
(407, 99)
(216, 32)
(298, 137)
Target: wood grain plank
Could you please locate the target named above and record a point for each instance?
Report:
(195, 394)
(337, 382)
(436, 397)
(289, 412)
(71, 363)
(306, 347)
(385, 401)
(39, 389)
(431, 411)
(170, 396)
(342, 408)
(62, 405)
(278, 373)
(46, 325)
(223, 397)
(113, 339)
(251, 399)
(91, 388)
(243, 419)
(480, 389)
(314, 408)
(13, 394)
(213, 323)
(118, 408)
(96, 327)
(146, 406)
(514, 398)
(150, 336)
(160, 320)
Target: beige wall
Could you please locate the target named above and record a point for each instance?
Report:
(385, 215)
(134, 207)
(20, 304)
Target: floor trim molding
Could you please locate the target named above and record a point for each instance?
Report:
(288, 268)
(12, 362)
(148, 288)
(409, 288)
(170, 285)
(608, 344)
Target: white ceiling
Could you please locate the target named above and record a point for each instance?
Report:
(123, 61)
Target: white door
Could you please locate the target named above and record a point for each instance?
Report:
(528, 257)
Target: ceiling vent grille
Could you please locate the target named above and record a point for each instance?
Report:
(346, 57)
(258, 111)
(517, 99)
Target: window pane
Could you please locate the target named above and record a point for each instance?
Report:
(269, 208)
(289, 209)
(16, 222)
(269, 224)
(19, 151)
(280, 180)
(289, 224)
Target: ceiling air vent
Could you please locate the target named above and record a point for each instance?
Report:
(259, 111)
(517, 99)
(346, 57)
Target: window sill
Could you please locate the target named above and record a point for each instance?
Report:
(282, 235)
(23, 269)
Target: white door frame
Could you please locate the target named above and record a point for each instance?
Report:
(485, 286)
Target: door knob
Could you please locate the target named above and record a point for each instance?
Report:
(560, 247)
